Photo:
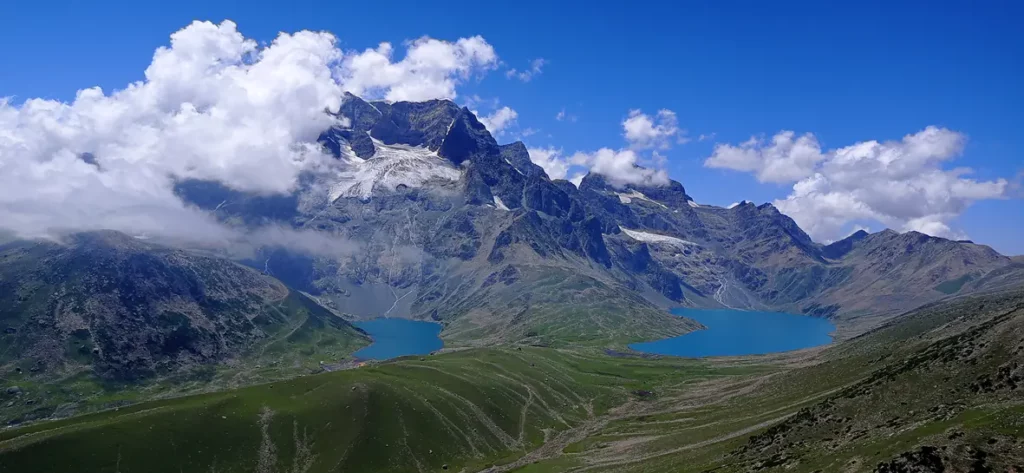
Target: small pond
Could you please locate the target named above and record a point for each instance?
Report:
(399, 337)
(739, 332)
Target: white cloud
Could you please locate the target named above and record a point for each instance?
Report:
(527, 132)
(431, 69)
(620, 167)
(644, 132)
(787, 158)
(536, 67)
(213, 106)
(551, 159)
(563, 116)
(475, 101)
(499, 120)
(900, 184)
(624, 166)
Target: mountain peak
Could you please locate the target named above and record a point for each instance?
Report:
(840, 248)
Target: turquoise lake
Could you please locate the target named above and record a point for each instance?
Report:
(399, 337)
(738, 332)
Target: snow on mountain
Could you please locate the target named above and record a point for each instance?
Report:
(389, 167)
(655, 238)
(499, 204)
(628, 198)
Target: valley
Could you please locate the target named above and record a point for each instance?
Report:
(854, 406)
(431, 300)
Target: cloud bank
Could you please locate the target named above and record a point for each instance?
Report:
(213, 106)
(901, 184)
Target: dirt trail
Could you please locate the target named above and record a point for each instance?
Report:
(624, 459)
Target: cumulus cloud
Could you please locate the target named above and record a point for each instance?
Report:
(620, 167)
(901, 184)
(640, 163)
(551, 159)
(499, 120)
(536, 67)
(431, 69)
(644, 132)
(785, 159)
(213, 106)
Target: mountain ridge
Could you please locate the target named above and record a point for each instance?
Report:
(497, 209)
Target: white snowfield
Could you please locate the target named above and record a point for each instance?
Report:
(628, 198)
(499, 204)
(389, 167)
(693, 204)
(655, 238)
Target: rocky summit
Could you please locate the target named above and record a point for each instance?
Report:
(457, 228)
(138, 349)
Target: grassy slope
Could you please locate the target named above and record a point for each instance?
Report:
(465, 409)
(940, 379)
(943, 382)
(558, 307)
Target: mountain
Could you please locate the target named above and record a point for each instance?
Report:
(460, 229)
(539, 285)
(105, 311)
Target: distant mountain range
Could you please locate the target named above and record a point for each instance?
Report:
(451, 227)
(460, 229)
(445, 224)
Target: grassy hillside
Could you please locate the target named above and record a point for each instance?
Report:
(466, 410)
(105, 319)
(940, 386)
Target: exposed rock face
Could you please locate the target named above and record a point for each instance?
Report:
(436, 229)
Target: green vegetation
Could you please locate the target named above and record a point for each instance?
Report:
(467, 409)
(300, 337)
(953, 286)
(940, 385)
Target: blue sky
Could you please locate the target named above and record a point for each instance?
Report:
(846, 73)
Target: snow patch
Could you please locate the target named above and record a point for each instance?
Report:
(389, 167)
(499, 204)
(513, 166)
(628, 198)
(655, 238)
(693, 204)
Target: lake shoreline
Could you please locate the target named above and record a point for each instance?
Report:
(734, 332)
